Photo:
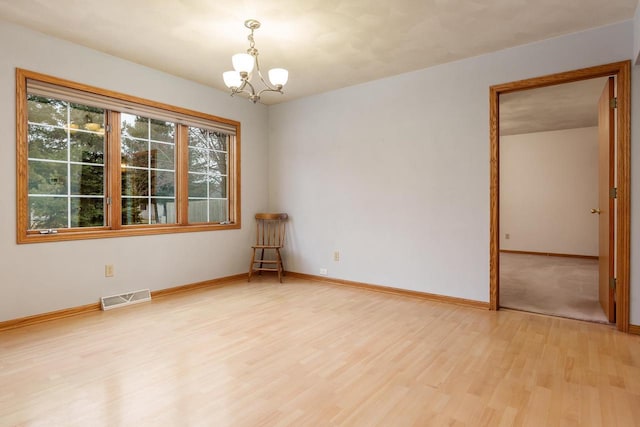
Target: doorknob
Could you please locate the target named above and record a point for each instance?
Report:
(596, 211)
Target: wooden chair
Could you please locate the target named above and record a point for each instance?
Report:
(269, 236)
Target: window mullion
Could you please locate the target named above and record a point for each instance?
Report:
(182, 174)
(114, 168)
(68, 166)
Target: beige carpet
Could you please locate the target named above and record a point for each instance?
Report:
(558, 286)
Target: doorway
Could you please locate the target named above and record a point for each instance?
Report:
(621, 70)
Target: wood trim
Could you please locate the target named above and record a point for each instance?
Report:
(494, 200)
(623, 182)
(509, 251)
(115, 228)
(115, 185)
(75, 311)
(182, 170)
(235, 201)
(634, 329)
(213, 283)
(622, 71)
(394, 291)
(46, 317)
(22, 177)
(125, 232)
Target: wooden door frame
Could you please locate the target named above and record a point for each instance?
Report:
(621, 70)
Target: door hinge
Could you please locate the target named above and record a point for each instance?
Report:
(107, 128)
(108, 200)
(613, 193)
(612, 282)
(613, 103)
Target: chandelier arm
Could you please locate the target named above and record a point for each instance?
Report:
(270, 90)
(264, 82)
(248, 83)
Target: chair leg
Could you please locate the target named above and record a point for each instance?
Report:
(253, 260)
(284, 271)
(261, 258)
(279, 264)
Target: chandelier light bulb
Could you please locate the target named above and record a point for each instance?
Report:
(243, 62)
(232, 79)
(278, 76)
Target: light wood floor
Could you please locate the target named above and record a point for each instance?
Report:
(310, 354)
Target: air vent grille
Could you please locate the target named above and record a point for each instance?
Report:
(114, 301)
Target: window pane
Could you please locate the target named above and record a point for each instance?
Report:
(218, 210)
(218, 162)
(197, 185)
(87, 180)
(47, 212)
(198, 160)
(203, 138)
(162, 131)
(219, 141)
(199, 138)
(87, 147)
(87, 212)
(86, 118)
(47, 142)
(218, 186)
(162, 156)
(198, 210)
(134, 153)
(132, 210)
(160, 208)
(135, 182)
(47, 111)
(47, 177)
(134, 126)
(162, 183)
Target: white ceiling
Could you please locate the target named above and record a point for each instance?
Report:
(325, 44)
(565, 106)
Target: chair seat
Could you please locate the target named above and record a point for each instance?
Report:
(266, 247)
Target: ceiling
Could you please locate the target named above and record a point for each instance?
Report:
(564, 106)
(325, 44)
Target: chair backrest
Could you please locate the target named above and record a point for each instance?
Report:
(270, 229)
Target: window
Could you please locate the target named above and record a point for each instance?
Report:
(94, 163)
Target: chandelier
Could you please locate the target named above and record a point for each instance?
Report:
(239, 81)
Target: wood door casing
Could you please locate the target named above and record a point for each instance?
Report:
(622, 72)
(606, 204)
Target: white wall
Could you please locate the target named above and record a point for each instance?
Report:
(636, 35)
(37, 278)
(548, 184)
(395, 173)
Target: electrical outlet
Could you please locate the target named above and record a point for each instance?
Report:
(507, 236)
(323, 272)
(336, 256)
(108, 270)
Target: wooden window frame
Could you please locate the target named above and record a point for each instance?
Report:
(113, 227)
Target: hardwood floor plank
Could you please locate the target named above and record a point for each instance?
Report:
(302, 353)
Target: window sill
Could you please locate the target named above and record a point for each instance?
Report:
(67, 235)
